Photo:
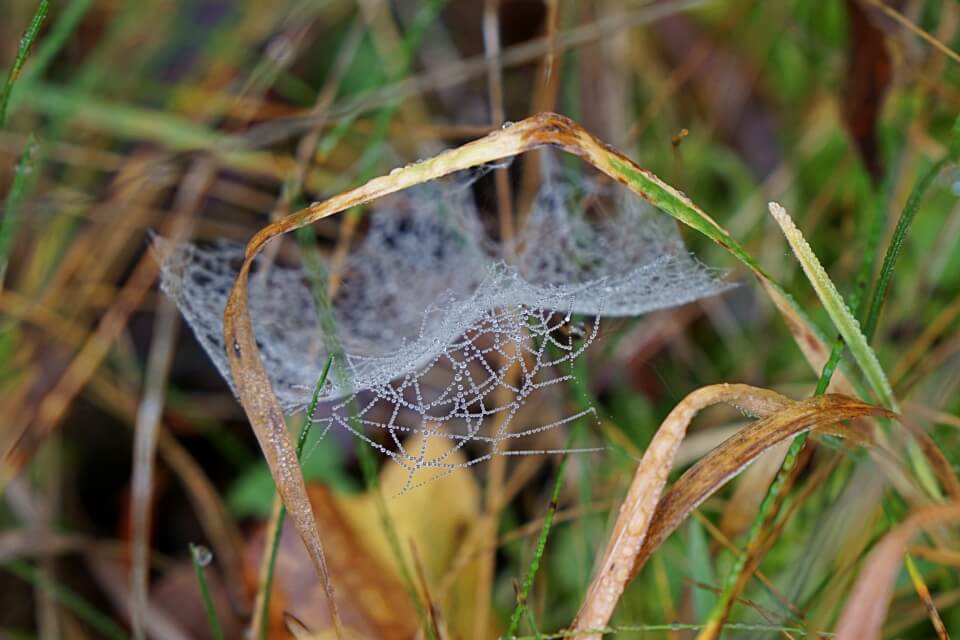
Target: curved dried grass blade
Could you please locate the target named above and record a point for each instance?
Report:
(866, 608)
(924, 593)
(636, 513)
(723, 463)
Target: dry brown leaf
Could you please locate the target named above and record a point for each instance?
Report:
(866, 608)
(374, 601)
(434, 518)
(742, 507)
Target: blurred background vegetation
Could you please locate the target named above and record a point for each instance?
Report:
(211, 117)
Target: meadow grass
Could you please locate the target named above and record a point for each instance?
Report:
(107, 111)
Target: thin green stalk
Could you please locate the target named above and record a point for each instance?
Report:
(896, 243)
(275, 547)
(541, 547)
(581, 393)
(70, 600)
(201, 558)
(26, 42)
(56, 38)
(903, 226)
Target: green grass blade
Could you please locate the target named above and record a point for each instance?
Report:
(541, 547)
(54, 42)
(201, 558)
(67, 598)
(833, 302)
(275, 547)
(26, 42)
(896, 244)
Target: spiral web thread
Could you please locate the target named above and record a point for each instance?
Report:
(439, 335)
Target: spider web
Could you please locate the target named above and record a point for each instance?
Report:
(437, 333)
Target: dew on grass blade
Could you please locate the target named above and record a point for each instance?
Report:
(202, 555)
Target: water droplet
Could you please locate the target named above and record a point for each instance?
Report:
(201, 555)
(506, 124)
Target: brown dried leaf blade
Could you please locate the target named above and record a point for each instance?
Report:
(723, 463)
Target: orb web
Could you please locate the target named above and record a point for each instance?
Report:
(439, 330)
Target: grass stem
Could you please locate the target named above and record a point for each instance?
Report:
(201, 557)
(26, 42)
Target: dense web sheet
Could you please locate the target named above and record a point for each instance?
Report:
(439, 333)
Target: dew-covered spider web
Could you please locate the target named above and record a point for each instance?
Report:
(441, 331)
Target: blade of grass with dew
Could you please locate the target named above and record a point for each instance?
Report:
(274, 538)
(903, 226)
(546, 129)
(849, 328)
(201, 556)
(832, 301)
(26, 42)
(521, 605)
(70, 600)
(57, 37)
